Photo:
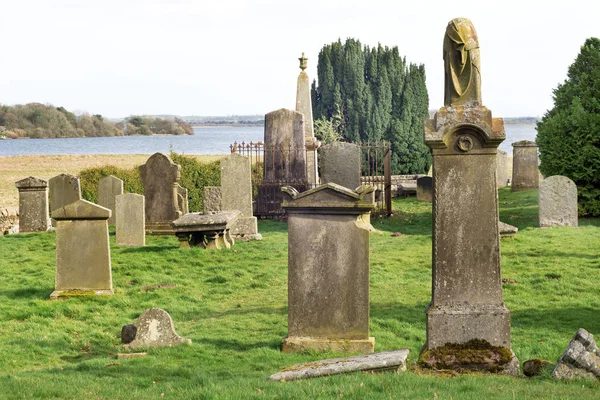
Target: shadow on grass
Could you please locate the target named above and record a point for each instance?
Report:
(236, 345)
(240, 311)
(27, 293)
(413, 314)
(565, 320)
(548, 254)
(145, 249)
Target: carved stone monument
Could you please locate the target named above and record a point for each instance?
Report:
(328, 269)
(33, 205)
(557, 202)
(467, 303)
(525, 173)
(63, 189)
(160, 176)
(131, 221)
(109, 187)
(340, 163)
(236, 194)
(82, 250)
(304, 106)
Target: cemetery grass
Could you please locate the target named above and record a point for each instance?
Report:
(233, 305)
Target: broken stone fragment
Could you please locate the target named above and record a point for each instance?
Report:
(581, 359)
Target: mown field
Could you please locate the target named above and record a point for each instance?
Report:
(233, 305)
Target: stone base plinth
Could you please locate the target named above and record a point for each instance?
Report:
(245, 226)
(159, 229)
(461, 324)
(65, 294)
(302, 344)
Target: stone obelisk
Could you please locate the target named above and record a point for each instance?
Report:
(304, 106)
(467, 309)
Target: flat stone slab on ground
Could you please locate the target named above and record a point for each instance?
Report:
(384, 361)
(122, 356)
(154, 328)
(507, 230)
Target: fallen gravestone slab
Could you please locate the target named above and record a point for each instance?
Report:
(153, 328)
(580, 360)
(123, 356)
(383, 361)
(506, 230)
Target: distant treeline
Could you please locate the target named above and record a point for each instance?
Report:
(35, 120)
(260, 122)
(521, 120)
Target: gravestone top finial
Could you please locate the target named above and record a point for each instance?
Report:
(461, 64)
(303, 61)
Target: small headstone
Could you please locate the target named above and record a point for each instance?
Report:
(525, 174)
(392, 361)
(131, 222)
(160, 176)
(502, 169)
(328, 269)
(340, 164)
(425, 189)
(154, 328)
(33, 205)
(63, 189)
(82, 250)
(557, 201)
(108, 188)
(236, 194)
(212, 199)
(580, 360)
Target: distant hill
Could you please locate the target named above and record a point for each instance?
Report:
(229, 120)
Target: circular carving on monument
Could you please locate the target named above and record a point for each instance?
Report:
(464, 143)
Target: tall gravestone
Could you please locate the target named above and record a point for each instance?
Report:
(236, 194)
(33, 205)
(285, 153)
(467, 303)
(525, 173)
(557, 202)
(63, 189)
(425, 189)
(304, 106)
(340, 163)
(502, 169)
(160, 176)
(131, 220)
(328, 269)
(109, 187)
(82, 250)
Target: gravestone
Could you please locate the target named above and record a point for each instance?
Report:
(108, 188)
(182, 199)
(154, 328)
(557, 201)
(236, 194)
(304, 106)
(131, 221)
(160, 176)
(82, 250)
(340, 163)
(285, 152)
(212, 198)
(525, 174)
(33, 205)
(502, 169)
(63, 189)
(467, 306)
(425, 189)
(328, 269)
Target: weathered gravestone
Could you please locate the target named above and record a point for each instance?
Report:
(285, 152)
(182, 199)
(33, 205)
(82, 250)
(502, 169)
(131, 221)
(63, 189)
(580, 360)
(108, 188)
(160, 176)
(328, 269)
(304, 106)
(525, 174)
(154, 328)
(467, 308)
(425, 189)
(340, 163)
(557, 202)
(212, 199)
(236, 194)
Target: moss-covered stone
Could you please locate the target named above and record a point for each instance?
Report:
(474, 355)
(76, 293)
(534, 366)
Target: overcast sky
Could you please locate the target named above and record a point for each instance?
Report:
(224, 57)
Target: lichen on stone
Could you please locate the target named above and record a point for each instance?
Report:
(474, 355)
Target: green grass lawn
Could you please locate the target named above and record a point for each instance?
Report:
(233, 305)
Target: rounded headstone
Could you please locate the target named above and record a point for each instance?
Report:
(557, 199)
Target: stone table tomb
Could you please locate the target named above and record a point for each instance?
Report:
(210, 230)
